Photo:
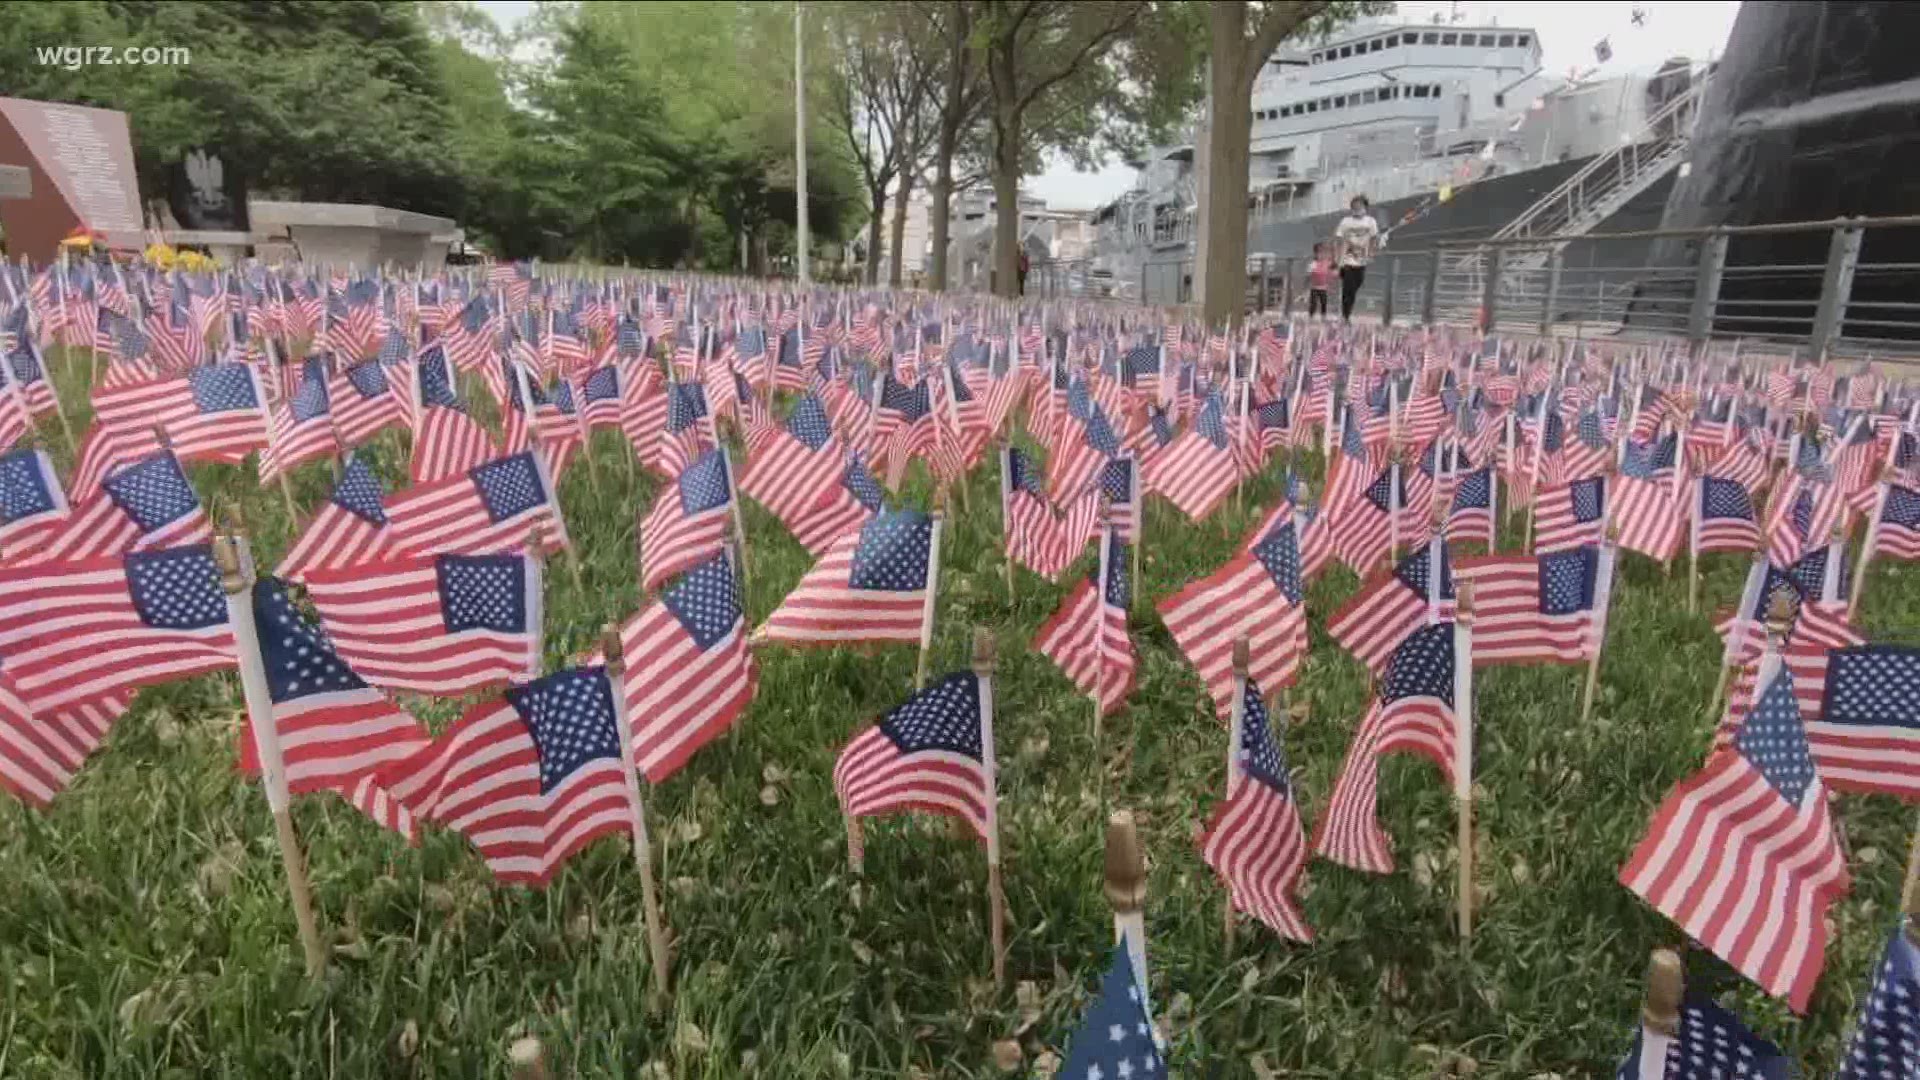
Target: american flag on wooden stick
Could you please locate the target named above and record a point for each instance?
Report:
(349, 529)
(301, 428)
(794, 471)
(364, 401)
(1743, 855)
(1255, 841)
(32, 502)
(689, 674)
(1571, 515)
(1419, 592)
(491, 507)
(75, 632)
(142, 506)
(1723, 518)
(1415, 712)
(1865, 736)
(1538, 608)
(689, 520)
(872, 585)
(1087, 635)
(1197, 471)
(212, 413)
(1896, 532)
(933, 753)
(1258, 595)
(529, 778)
(434, 624)
(41, 752)
(335, 731)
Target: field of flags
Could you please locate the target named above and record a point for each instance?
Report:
(512, 563)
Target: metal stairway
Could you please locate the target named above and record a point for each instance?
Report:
(1600, 189)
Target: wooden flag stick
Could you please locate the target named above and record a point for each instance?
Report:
(1666, 984)
(983, 664)
(1242, 661)
(528, 1059)
(236, 577)
(733, 506)
(933, 590)
(1693, 557)
(1463, 749)
(1006, 527)
(1126, 888)
(613, 653)
(1867, 543)
(1602, 603)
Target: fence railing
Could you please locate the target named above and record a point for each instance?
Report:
(1848, 287)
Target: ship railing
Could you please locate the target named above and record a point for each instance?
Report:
(1846, 287)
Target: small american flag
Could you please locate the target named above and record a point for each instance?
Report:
(349, 529)
(1197, 470)
(934, 753)
(32, 503)
(1375, 622)
(689, 520)
(212, 413)
(41, 752)
(1649, 509)
(1897, 531)
(1756, 813)
(436, 624)
(1803, 516)
(1363, 528)
(601, 395)
(1885, 1044)
(1711, 1044)
(364, 401)
(1723, 517)
(1255, 841)
(302, 426)
(1116, 1039)
(146, 505)
(1571, 515)
(75, 632)
(1035, 535)
(491, 507)
(1866, 735)
(335, 731)
(872, 585)
(1471, 516)
(1259, 595)
(795, 471)
(1087, 636)
(688, 431)
(530, 778)
(1416, 712)
(1084, 450)
(448, 443)
(1539, 608)
(689, 673)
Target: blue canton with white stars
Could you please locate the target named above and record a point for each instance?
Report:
(1712, 1044)
(1873, 685)
(1886, 1040)
(706, 601)
(1100, 434)
(750, 343)
(299, 659)
(1021, 474)
(25, 362)
(483, 592)
(911, 402)
(570, 716)
(1381, 494)
(358, 492)
(1475, 491)
(1422, 666)
(603, 385)
(943, 717)
(1412, 570)
(1902, 509)
(176, 589)
(808, 422)
(628, 341)
(1589, 498)
(153, 492)
(1774, 742)
(369, 380)
(1079, 402)
(436, 379)
(859, 481)
(1162, 427)
(686, 403)
(1261, 757)
(1567, 580)
(1279, 552)
(892, 552)
(393, 348)
(1115, 1041)
(703, 484)
(509, 486)
(24, 486)
(222, 388)
(1272, 415)
(310, 400)
(1724, 499)
(1119, 591)
(1116, 480)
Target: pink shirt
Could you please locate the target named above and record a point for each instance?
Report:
(1320, 274)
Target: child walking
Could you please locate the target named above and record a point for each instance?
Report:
(1319, 280)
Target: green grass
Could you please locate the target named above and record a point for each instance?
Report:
(145, 928)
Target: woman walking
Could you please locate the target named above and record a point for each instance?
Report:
(1358, 236)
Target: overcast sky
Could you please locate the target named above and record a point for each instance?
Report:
(1568, 32)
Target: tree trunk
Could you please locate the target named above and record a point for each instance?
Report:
(901, 195)
(1225, 243)
(693, 231)
(942, 214)
(879, 202)
(1007, 117)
